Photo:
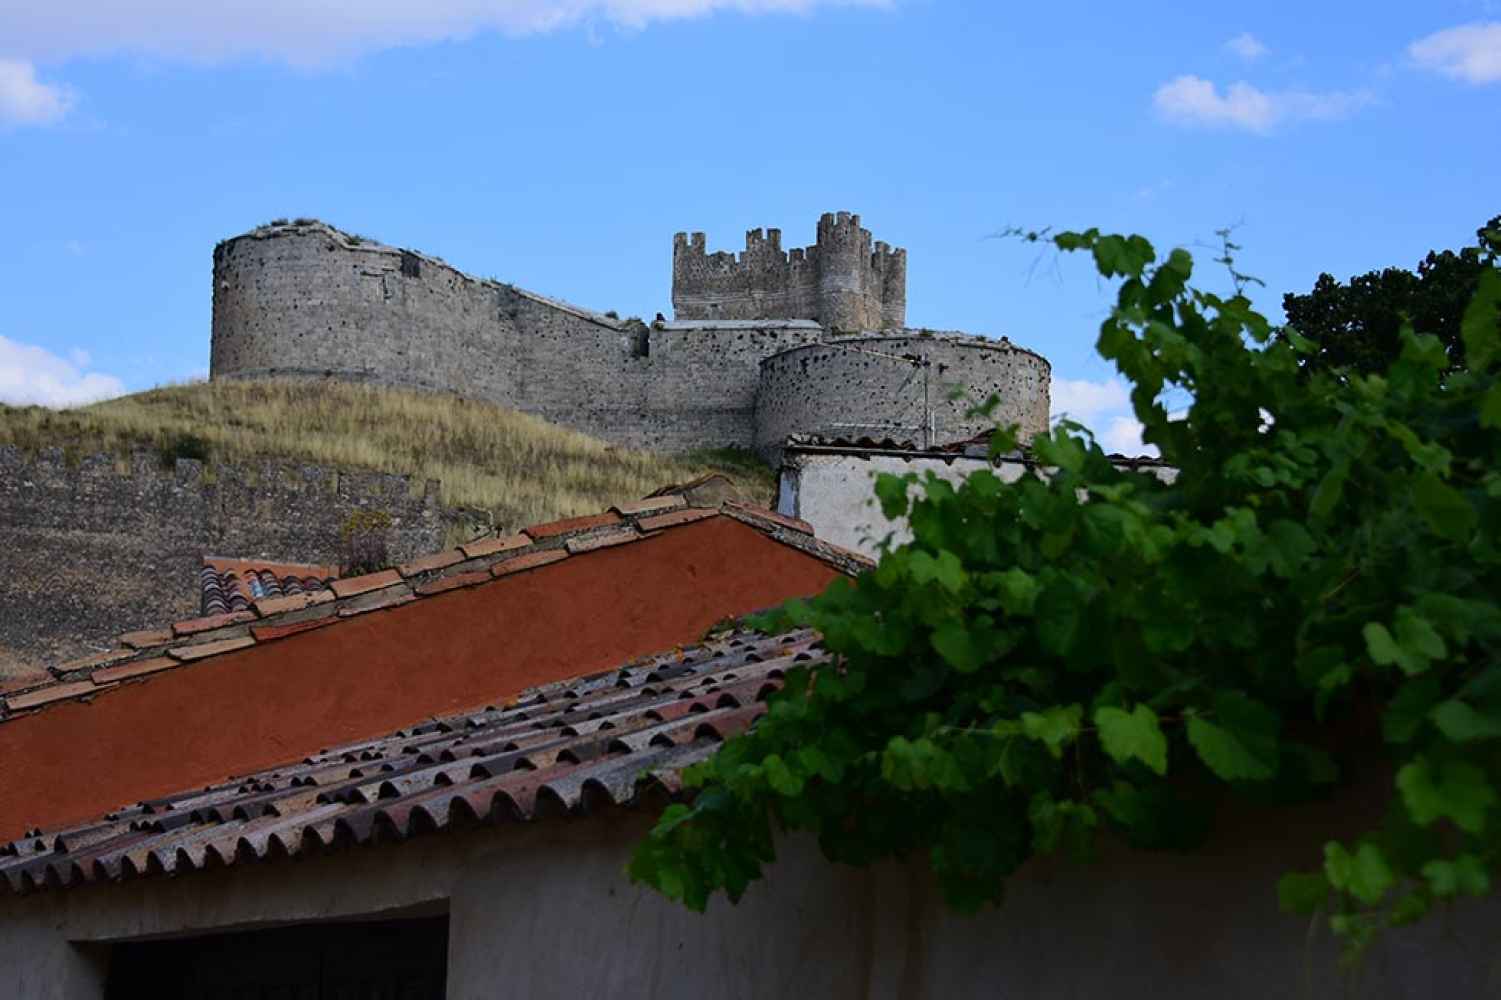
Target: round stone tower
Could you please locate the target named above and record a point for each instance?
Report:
(843, 270)
(900, 388)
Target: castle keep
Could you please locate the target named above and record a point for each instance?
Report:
(840, 281)
(762, 344)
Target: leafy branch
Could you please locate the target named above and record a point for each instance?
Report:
(1091, 652)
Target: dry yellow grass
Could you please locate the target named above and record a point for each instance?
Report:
(522, 469)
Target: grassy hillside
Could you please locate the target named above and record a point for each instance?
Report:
(521, 468)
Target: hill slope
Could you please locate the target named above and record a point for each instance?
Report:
(520, 468)
(85, 557)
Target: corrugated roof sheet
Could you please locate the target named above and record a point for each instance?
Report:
(568, 748)
(270, 618)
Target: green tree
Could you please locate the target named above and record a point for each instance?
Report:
(1357, 325)
(1037, 669)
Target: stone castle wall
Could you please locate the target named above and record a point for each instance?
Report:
(105, 544)
(306, 300)
(899, 387)
(842, 281)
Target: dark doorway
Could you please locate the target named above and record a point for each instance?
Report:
(375, 960)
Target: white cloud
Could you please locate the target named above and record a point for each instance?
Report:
(25, 100)
(1193, 100)
(1105, 408)
(1470, 52)
(1247, 46)
(316, 32)
(31, 375)
(1123, 436)
(1086, 401)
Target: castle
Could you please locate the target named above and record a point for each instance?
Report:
(839, 281)
(762, 345)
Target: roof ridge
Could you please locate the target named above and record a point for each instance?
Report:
(146, 652)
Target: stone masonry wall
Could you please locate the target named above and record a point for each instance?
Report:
(882, 387)
(104, 544)
(306, 300)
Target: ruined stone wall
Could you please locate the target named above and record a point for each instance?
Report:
(842, 281)
(105, 544)
(884, 387)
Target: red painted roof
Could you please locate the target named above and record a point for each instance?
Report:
(270, 618)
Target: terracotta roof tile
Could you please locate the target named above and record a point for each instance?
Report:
(208, 623)
(202, 649)
(611, 739)
(96, 660)
(426, 564)
(315, 612)
(761, 513)
(295, 602)
(228, 585)
(650, 505)
(21, 682)
(453, 582)
(482, 547)
(531, 560)
(572, 524)
(46, 695)
(602, 540)
(376, 600)
(137, 668)
(353, 585)
(147, 637)
(659, 521)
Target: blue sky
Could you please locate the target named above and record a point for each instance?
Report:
(559, 145)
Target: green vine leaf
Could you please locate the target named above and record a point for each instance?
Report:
(1366, 874)
(960, 647)
(1055, 727)
(1414, 647)
(1462, 724)
(1085, 651)
(1133, 735)
(1446, 789)
(1408, 710)
(1242, 744)
(1446, 510)
(1465, 875)
(1481, 325)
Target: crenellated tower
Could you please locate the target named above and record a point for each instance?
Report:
(843, 281)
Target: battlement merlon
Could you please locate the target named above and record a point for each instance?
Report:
(844, 280)
(689, 243)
